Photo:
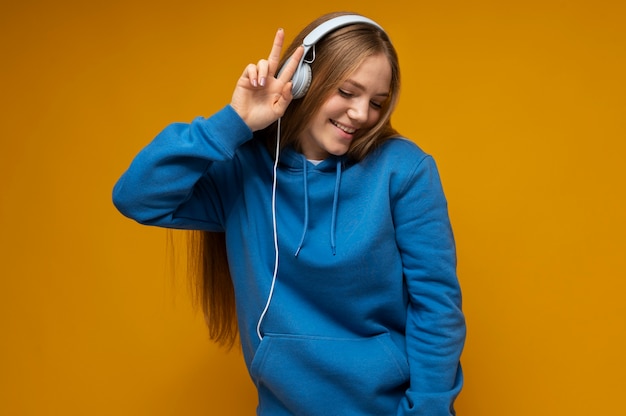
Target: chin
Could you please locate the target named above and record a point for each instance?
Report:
(338, 152)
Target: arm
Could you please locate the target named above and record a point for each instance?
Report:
(435, 329)
(168, 183)
(168, 175)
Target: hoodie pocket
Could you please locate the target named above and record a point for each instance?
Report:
(308, 375)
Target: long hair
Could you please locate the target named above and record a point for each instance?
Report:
(211, 285)
(337, 55)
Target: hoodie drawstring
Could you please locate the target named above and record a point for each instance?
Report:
(333, 219)
(306, 205)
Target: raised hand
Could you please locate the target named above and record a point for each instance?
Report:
(260, 98)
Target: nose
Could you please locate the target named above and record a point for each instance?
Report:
(359, 111)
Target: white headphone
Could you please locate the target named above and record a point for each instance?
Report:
(302, 77)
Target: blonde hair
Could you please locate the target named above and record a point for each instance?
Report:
(337, 55)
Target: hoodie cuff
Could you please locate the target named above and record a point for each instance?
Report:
(227, 128)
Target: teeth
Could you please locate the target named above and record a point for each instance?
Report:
(344, 128)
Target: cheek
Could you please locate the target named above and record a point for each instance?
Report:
(373, 118)
(333, 107)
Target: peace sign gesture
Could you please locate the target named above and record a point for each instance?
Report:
(260, 98)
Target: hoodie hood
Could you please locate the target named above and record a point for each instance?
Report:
(296, 163)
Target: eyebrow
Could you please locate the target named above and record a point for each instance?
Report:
(362, 87)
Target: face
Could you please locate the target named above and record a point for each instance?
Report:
(350, 111)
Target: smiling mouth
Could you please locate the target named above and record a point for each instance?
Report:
(341, 127)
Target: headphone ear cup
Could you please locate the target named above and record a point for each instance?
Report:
(301, 81)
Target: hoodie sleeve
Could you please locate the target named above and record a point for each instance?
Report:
(435, 329)
(167, 182)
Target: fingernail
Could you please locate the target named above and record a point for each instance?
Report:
(262, 81)
(254, 82)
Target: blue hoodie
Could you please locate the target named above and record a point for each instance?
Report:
(365, 315)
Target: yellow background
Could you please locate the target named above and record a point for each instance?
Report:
(522, 104)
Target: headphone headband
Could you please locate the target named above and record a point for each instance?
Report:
(302, 76)
(335, 23)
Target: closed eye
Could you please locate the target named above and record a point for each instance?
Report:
(347, 94)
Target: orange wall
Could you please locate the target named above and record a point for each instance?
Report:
(522, 103)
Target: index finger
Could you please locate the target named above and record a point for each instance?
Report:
(287, 71)
(277, 47)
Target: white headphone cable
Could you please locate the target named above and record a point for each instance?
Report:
(269, 297)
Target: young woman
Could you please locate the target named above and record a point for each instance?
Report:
(335, 230)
